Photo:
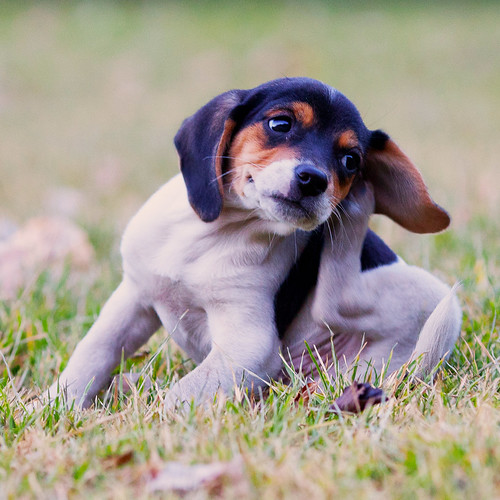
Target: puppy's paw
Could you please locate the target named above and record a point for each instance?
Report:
(360, 202)
(355, 210)
(128, 382)
(50, 397)
(357, 397)
(32, 406)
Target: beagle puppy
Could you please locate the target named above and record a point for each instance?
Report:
(262, 244)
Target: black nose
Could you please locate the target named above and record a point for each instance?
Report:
(311, 180)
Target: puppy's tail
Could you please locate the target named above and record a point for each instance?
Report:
(438, 335)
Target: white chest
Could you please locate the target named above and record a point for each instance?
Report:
(186, 267)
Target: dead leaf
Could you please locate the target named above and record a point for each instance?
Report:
(182, 478)
(357, 397)
(306, 392)
(114, 461)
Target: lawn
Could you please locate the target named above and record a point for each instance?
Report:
(91, 95)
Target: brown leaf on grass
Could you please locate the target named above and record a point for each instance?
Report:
(306, 392)
(114, 461)
(181, 478)
(357, 397)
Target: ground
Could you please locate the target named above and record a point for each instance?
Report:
(91, 95)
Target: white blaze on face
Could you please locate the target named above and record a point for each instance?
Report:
(268, 191)
(275, 179)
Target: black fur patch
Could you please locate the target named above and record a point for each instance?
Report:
(303, 276)
(300, 281)
(375, 252)
(197, 142)
(378, 139)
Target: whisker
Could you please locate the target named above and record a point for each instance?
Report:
(271, 241)
(336, 211)
(253, 212)
(330, 231)
(343, 216)
(220, 177)
(340, 225)
(237, 158)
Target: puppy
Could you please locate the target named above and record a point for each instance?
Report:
(263, 243)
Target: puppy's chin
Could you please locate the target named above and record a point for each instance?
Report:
(304, 214)
(280, 215)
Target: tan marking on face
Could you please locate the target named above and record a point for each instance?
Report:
(347, 140)
(303, 113)
(221, 148)
(337, 191)
(249, 155)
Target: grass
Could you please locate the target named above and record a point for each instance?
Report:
(91, 95)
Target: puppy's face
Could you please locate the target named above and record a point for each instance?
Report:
(289, 151)
(295, 155)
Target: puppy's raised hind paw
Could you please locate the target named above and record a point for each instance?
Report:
(360, 202)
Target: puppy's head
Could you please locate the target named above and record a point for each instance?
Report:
(290, 150)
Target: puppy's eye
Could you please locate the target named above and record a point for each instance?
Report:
(281, 124)
(351, 162)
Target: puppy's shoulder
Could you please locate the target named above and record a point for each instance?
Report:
(376, 253)
(157, 221)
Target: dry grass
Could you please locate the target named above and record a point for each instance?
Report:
(91, 95)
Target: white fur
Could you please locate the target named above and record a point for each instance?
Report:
(437, 336)
(274, 181)
(221, 279)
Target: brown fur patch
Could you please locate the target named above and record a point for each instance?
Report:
(221, 148)
(400, 191)
(249, 155)
(347, 140)
(303, 113)
(337, 191)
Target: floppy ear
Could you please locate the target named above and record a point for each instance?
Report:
(201, 142)
(400, 191)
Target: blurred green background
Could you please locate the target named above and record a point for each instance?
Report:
(92, 93)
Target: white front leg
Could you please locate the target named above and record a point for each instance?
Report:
(245, 350)
(122, 327)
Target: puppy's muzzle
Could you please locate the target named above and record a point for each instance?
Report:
(310, 180)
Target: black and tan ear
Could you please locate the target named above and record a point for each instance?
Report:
(400, 191)
(201, 143)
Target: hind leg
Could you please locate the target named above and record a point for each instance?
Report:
(385, 307)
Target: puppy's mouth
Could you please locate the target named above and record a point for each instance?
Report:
(280, 197)
(291, 204)
(304, 213)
